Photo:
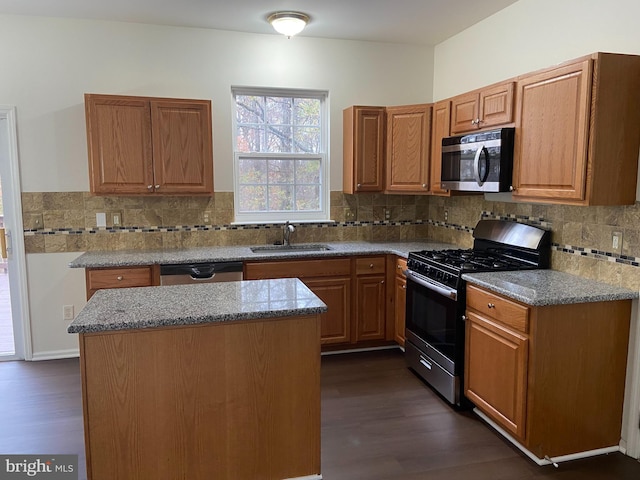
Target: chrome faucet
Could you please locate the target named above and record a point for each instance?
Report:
(286, 233)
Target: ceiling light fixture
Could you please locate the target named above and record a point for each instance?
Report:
(288, 23)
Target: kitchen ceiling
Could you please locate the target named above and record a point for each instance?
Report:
(424, 22)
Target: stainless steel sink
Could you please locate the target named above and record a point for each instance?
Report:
(291, 248)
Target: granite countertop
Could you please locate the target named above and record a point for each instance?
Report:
(149, 307)
(548, 287)
(127, 258)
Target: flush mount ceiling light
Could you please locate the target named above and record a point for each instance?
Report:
(288, 23)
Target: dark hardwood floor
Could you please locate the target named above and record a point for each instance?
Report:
(379, 422)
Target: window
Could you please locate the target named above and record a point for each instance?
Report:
(280, 155)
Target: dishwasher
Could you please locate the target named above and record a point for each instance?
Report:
(205, 272)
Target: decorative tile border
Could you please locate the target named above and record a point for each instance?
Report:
(597, 254)
(537, 221)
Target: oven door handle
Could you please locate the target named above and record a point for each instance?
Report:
(442, 290)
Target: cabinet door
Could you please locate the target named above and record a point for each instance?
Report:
(464, 113)
(119, 143)
(370, 309)
(336, 293)
(496, 105)
(366, 150)
(552, 133)
(182, 152)
(440, 129)
(496, 372)
(400, 310)
(408, 138)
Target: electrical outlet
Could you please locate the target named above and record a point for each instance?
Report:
(101, 219)
(67, 312)
(116, 219)
(206, 217)
(387, 214)
(446, 215)
(35, 221)
(616, 242)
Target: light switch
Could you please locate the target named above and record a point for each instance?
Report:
(101, 219)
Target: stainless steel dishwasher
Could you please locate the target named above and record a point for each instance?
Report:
(206, 272)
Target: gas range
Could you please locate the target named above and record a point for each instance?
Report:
(436, 299)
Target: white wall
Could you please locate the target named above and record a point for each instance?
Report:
(48, 64)
(533, 34)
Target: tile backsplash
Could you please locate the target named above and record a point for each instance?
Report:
(581, 236)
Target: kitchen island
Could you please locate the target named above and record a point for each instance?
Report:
(202, 381)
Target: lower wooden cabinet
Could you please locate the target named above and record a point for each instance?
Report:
(354, 289)
(121, 277)
(551, 376)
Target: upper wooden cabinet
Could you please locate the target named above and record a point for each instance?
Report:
(142, 145)
(363, 149)
(408, 145)
(578, 132)
(480, 109)
(440, 128)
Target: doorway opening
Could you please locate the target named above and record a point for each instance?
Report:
(15, 335)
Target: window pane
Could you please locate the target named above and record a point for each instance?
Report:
(253, 198)
(249, 139)
(307, 140)
(280, 197)
(252, 171)
(306, 111)
(278, 139)
(250, 109)
(280, 171)
(308, 197)
(307, 171)
(279, 110)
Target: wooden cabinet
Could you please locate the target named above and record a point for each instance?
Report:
(329, 279)
(142, 145)
(363, 149)
(399, 298)
(550, 376)
(408, 149)
(121, 277)
(440, 128)
(480, 109)
(578, 132)
(370, 314)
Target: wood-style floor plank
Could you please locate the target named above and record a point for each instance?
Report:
(379, 422)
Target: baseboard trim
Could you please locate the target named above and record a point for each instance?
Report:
(308, 477)
(546, 460)
(56, 354)
(356, 350)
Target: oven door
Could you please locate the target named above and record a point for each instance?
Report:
(434, 321)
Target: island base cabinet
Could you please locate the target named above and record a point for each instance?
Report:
(552, 376)
(226, 401)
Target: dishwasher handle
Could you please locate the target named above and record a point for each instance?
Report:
(201, 271)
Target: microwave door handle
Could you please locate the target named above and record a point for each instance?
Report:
(476, 165)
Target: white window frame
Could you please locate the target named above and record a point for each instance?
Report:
(321, 215)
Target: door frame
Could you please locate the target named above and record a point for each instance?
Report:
(12, 196)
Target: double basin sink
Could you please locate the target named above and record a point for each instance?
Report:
(291, 248)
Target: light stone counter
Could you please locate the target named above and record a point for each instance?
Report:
(244, 253)
(149, 307)
(548, 287)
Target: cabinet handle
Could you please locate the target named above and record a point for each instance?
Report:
(424, 185)
(398, 266)
(491, 305)
(149, 187)
(404, 287)
(358, 185)
(119, 278)
(371, 265)
(157, 187)
(381, 282)
(464, 318)
(512, 188)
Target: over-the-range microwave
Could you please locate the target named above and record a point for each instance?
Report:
(478, 162)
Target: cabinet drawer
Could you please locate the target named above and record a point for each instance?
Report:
(401, 266)
(499, 308)
(119, 278)
(329, 267)
(370, 265)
